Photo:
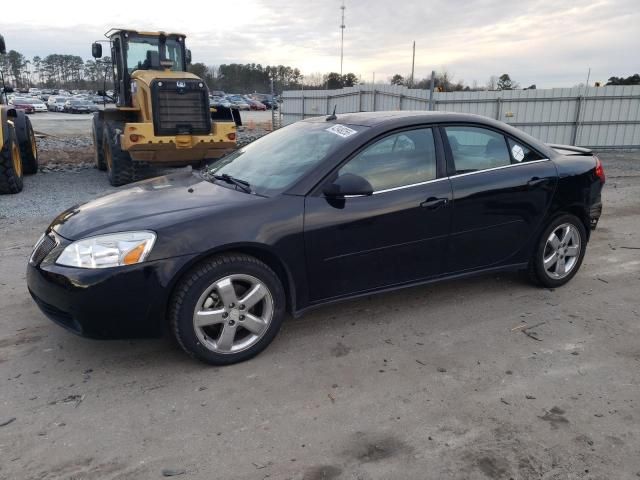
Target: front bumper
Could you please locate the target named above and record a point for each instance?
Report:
(120, 302)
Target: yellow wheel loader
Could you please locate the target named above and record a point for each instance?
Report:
(18, 150)
(162, 116)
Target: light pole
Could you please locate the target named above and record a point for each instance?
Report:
(342, 38)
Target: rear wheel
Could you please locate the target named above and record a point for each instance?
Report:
(559, 252)
(227, 309)
(10, 164)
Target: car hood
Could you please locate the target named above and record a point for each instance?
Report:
(148, 205)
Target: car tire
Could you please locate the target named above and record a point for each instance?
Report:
(229, 339)
(28, 146)
(10, 164)
(121, 168)
(96, 134)
(559, 252)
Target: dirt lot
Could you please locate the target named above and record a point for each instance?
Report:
(429, 382)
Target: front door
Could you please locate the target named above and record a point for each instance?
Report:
(397, 235)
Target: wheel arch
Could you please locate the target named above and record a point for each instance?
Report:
(575, 209)
(260, 251)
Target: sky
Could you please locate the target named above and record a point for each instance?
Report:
(550, 43)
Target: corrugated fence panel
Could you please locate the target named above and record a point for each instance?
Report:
(594, 117)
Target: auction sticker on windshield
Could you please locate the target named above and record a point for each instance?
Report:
(341, 130)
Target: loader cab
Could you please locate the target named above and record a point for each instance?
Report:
(132, 50)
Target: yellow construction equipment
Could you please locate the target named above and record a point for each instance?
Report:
(162, 115)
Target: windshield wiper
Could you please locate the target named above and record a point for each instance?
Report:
(242, 184)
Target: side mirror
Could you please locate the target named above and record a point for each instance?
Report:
(188, 56)
(3, 47)
(347, 185)
(96, 50)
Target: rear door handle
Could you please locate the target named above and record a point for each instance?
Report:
(433, 203)
(535, 181)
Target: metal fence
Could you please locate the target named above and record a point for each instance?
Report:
(592, 117)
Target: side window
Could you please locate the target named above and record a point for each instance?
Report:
(400, 159)
(475, 148)
(520, 153)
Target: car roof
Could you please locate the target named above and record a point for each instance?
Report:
(370, 119)
(388, 120)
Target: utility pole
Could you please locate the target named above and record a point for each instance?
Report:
(588, 77)
(413, 64)
(342, 37)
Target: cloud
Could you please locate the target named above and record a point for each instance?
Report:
(546, 42)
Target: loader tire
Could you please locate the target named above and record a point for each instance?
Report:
(121, 169)
(27, 142)
(10, 164)
(98, 148)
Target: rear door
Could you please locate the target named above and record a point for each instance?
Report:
(394, 236)
(502, 189)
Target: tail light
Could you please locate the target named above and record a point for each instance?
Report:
(231, 136)
(599, 170)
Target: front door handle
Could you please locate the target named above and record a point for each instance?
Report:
(433, 203)
(535, 181)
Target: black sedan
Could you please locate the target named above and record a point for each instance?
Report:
(80, 106)
(315, 212)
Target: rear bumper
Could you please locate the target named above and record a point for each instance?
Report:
(594, 214)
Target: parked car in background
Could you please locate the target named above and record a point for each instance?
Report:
(322, 210)
(38, 105)
(216, 101)
(238, 102)
(56, 103)
(80, 106)
(254, 104)
(98, 99)
(266, 99)
(22, 104)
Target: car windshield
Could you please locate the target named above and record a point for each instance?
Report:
(275, 161)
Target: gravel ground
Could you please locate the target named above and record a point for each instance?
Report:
(68, 176)
(430, 382)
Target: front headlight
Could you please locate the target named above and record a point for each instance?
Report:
(113, 250)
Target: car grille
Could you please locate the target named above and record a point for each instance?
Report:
(180, 107)
(42, 249)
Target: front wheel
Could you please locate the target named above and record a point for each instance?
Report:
(559, 252)
(227, 309)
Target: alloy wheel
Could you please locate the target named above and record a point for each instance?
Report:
(562, 250)
(233, 313)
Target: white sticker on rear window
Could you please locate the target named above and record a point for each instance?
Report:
(341, 130)
(517, 152)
